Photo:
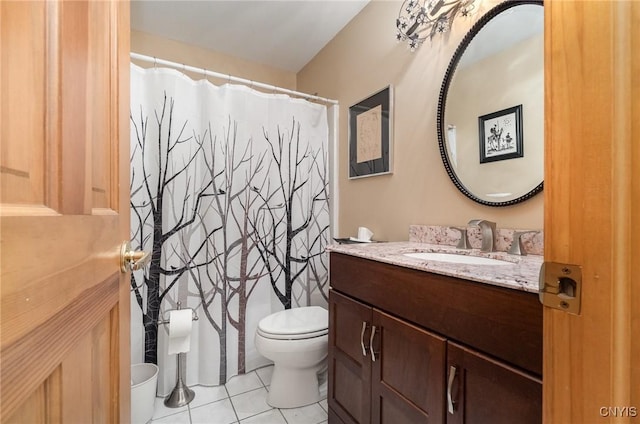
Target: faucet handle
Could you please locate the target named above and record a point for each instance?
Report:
(463, 243)
(517, 247)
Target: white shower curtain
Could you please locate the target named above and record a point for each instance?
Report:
(229, 193)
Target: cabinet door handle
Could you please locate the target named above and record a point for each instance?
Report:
(373, 334)
(452, 377)
(364, 328)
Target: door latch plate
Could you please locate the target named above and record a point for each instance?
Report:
(561, 286)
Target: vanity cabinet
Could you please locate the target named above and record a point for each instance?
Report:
(405, 346)
(383, 370)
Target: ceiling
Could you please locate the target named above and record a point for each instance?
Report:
(283, 34)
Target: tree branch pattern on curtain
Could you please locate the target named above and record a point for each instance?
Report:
(229, 192)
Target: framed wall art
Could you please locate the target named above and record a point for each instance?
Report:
(501, 135)
(370, 144)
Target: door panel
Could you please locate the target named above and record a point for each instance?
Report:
(488, 391)
(392, 410)
(349, 370)
(89, 400)
(23, 169)
(41, 406)
(64, 212)
(592, 207)
(408, 376)
(33, 357)
(99, 118)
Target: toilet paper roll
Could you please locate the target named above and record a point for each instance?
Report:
(180, 321)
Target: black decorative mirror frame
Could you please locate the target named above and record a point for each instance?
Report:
(475, 29)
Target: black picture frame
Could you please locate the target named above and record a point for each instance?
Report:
(500, 135)
(370, 143)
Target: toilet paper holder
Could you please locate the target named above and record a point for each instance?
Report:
(194, 315)
(181, 395)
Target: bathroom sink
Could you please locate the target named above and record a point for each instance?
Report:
(456, 258)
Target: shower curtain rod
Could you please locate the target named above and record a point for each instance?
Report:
(230, 78)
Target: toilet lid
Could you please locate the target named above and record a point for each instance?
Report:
(305, 322)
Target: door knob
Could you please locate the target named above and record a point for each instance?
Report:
(132, 260)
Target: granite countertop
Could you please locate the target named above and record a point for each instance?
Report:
(522, 275)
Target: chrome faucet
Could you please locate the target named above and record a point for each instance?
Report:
(488, 231)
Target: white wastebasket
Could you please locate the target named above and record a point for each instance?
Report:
(144, 379)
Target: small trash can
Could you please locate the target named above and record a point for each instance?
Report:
(144, 380)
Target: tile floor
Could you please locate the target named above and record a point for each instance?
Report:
(242, 400)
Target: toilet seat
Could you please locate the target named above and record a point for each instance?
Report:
(295, 324)
(292, 336)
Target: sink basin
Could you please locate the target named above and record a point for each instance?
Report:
(456, 259)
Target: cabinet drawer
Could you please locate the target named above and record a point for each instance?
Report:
(501, 322)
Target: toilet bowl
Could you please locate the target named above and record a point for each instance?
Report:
(296, 340)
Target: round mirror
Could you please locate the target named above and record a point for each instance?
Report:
(491, 107)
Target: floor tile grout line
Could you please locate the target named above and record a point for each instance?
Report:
(168, 409)
(246, 391)
(260, 378)
(283, 417)
(216, 401)
(229, 397)
(231, 402)
(250, 416)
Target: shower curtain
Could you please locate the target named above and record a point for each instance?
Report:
(229, 194)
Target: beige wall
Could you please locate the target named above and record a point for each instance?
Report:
(175, 51)
(364, 58)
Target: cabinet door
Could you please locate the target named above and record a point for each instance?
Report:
(349, 363)
(408, 373)
(484, 390)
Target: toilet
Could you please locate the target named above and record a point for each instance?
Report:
(296, 340)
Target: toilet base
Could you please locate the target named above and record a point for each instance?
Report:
(306, 387)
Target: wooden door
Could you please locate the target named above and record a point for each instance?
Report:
(407, 376)
(349, 363)
(592, 208)
(484, 390)
(64, 211)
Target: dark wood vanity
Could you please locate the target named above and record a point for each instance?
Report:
(408, 346)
